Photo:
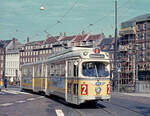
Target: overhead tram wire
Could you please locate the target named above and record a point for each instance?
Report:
(63, 16)
(69, 10)
(100, 19)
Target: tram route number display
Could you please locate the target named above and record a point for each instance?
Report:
(84, 89)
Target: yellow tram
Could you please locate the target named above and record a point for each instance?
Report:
(77, 74)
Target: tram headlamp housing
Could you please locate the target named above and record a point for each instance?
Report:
(85, 53)
(97, 90)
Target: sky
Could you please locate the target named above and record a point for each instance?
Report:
(23, 18)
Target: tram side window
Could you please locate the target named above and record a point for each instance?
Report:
(29, 72)
(24, 72)
(48, 70)
(38, 71)
(70, 69)
(75, 68)
(44, 70)
(58, 70)
(62, 69)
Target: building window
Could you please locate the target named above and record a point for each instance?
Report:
(138, 27)
(144, 26)
(144, 35)
(145, 45)
(138, 36)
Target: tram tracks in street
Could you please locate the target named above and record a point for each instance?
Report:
(124, 107)
(110, 112)
(85, 106)
(78, 109)
(103, 108)
(72, 107)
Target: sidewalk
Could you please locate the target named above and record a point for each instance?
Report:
(137, 94)
(10, 87)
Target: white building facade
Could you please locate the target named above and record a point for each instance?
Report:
(12, 61)
(12, 66)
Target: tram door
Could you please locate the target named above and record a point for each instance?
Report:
(71, 76)
(69, 81)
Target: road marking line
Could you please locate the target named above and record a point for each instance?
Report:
(30, 99)
(12, 92)
(15, 92)
(20, 101)
(137, 94)
(40, 97)
(24, 93)
(59, 112)
(6, 104)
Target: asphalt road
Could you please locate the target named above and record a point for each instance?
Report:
(16, 103)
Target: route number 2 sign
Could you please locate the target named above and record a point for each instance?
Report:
(84, 89)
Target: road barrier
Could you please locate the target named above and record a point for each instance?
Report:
(143, 86)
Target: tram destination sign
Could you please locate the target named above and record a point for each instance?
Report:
(97, 56)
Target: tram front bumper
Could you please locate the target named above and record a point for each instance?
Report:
(82, 99)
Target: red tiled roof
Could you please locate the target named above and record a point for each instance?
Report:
(94, 37)
(67, 38)
(80, 38)
(51, 40)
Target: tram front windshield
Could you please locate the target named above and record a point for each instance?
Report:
(94, 69)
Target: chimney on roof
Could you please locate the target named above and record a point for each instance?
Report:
(83, 32)
(14, 40)
(102, 35)
(28, 39)
(61, 34)
(64, 34)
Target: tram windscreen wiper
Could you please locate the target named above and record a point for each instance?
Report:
(96, 71)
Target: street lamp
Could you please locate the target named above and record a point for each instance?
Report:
(42, 8)
(115, 72)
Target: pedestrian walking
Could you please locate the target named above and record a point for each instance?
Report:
(5, 83)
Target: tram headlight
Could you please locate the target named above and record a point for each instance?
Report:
(97, 89)
(85, 53)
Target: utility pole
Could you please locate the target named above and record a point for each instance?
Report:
(115, 50)
(136, 73)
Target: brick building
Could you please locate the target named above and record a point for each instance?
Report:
(37, 50)
(134, 53)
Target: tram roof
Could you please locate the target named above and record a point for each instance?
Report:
(71, 49)
(76, 52)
